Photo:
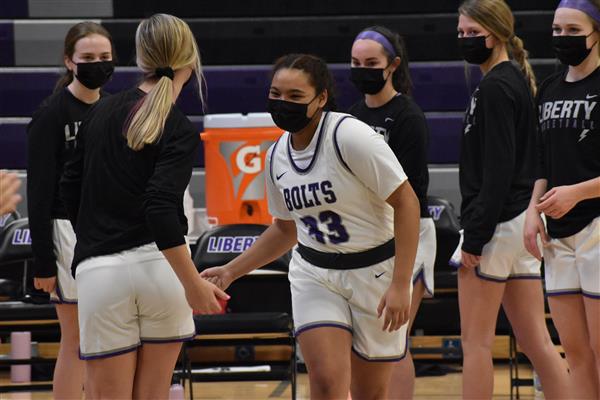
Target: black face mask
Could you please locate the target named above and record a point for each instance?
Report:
(288, 115)
(95, 74)
(571, 50)
(474, 49)
(368, 80)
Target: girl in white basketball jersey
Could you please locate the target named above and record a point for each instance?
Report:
(336, 190)
(380, 71)
(567, 191)
(496, 179)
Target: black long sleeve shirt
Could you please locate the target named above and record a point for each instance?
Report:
(118, 198)
(497, 160)
(404, 127)
(569, 140)
(52, 136)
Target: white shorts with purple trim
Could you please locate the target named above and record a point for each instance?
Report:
(425, 260)
(346, 299)
(127, 299)
(505, 257)
(573, 263)
(64, 240)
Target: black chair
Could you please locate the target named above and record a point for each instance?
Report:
(15, 241)
(258, 328)
(40, 319)
(221, 244)
(267, 290)
(6, 219)
(246, 340)
(10, 285)
(15, 250)
(16, 256)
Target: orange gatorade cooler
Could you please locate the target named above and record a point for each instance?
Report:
(235, 150)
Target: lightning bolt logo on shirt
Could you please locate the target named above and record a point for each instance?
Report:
(583, 135)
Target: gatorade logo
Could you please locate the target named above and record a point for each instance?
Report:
(245, 165)
(436, 212)
(230, 244)
(21, 237)
(248, 159)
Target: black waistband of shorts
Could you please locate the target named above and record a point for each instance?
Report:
(360, 259)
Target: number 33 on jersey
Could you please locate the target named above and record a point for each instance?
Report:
(335, 189)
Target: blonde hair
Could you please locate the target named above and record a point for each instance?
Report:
(161, 41)
(497, 17)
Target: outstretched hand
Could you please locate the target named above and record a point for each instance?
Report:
(204, 296)
(218, 276)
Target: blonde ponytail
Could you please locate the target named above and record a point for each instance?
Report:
(148, 122)
(521, 56)
(162, 42)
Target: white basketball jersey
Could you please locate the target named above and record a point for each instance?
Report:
(338, 199)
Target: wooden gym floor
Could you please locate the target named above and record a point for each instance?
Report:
(446, 387)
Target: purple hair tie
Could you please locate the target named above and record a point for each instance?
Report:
(583, 6)
(379, 38)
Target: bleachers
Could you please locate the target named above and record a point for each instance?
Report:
(438, 87)
(234, 8)
(441, 89)
(240, 41)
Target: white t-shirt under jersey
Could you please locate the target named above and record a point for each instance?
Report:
(335, 189)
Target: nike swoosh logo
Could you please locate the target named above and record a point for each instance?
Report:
(389, 119)
(378, 275)
(589, 97)
(278, 177)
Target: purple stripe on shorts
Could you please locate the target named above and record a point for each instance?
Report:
(395, 359)
(59, 302)
(489, 278)
(61, 298)
(531, 277)
(563, 293)
(591, 295)
(157, 341)
(504, 280)
(106, 355)
(421, 276)
(323, 325)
